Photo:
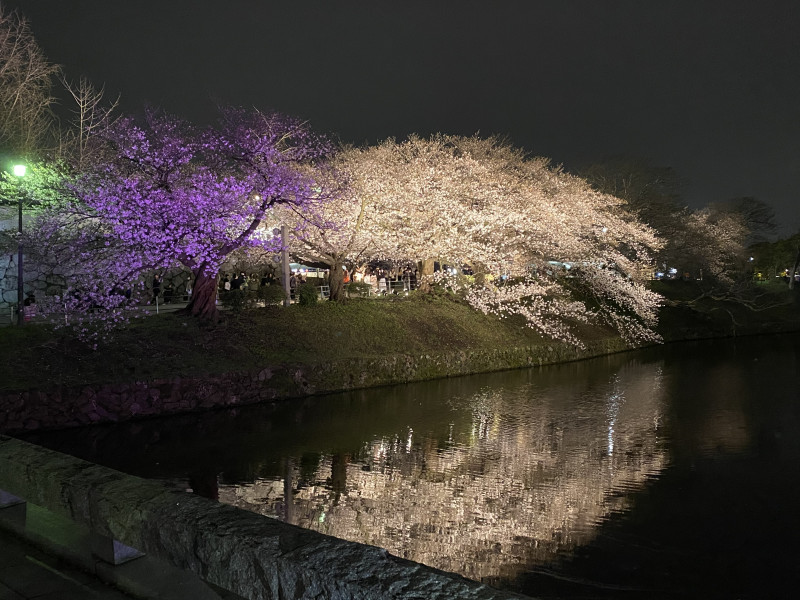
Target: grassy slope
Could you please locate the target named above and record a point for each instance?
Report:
(169, 344)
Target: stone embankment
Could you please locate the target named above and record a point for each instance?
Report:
(58, 407)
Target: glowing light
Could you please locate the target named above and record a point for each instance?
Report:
(19, 170)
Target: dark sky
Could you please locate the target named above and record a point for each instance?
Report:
(710, 88)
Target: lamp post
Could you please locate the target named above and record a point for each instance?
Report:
(19, 171)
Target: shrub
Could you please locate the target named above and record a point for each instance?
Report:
(233, 299)
(307, 294)
(272, 294)
(358, 288)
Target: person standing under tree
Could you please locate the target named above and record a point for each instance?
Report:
(156, 287)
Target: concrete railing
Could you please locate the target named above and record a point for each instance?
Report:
(241, 552)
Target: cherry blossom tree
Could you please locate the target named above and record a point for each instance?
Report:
(712, 245)
(754, 215)
(173, 194)
(708, 243)
(516, 221)
(340, 232)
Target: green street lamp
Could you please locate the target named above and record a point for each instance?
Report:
(19, 171)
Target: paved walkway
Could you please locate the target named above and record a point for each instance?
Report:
(27, 573)
(45, 556)
(9, 318)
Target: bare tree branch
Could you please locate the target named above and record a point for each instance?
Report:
(25, 83)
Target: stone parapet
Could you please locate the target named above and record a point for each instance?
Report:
(242, 552)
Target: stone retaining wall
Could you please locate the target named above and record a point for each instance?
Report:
(245, 553)
(73, 406)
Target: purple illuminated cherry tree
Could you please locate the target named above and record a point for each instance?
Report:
(172, 194)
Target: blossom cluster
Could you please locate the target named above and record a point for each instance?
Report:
(169, 194)
(544, 244)
(484, 204)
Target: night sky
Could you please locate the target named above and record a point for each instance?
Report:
(711, 89)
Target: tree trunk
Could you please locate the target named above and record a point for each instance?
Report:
(425, 266)
(203, 304)
(425, 278)
(794, 270)
(336, 282)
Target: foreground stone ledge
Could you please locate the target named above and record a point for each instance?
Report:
(245, 553)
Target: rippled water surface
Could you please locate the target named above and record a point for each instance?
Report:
(670, 472)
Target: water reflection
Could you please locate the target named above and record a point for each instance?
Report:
(515, 474)
(494, 477)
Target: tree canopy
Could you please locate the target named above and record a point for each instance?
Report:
(172, 194)
(517, 222)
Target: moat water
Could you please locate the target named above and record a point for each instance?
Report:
(672, 472)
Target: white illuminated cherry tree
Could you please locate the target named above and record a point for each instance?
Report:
(335, 233)
(543, 243)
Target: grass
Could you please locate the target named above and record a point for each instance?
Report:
(172, 345)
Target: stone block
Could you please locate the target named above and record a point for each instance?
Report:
(14, 516)
(113, 551)
(8, 499)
